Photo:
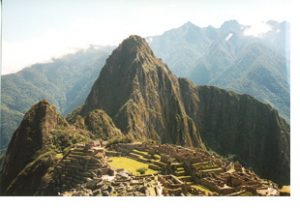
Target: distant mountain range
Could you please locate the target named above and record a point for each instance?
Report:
(136, 98)
(225, 57)
(65, 82)
(221, 57)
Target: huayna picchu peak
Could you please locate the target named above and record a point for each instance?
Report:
(142, 96)
(143, 131)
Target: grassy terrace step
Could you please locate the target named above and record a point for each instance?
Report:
(78, 166)
(82, 157)
(211, 170)
(180, 169)
(140, 152)
(139, 158)
(81, 153)
(185, 178)
(156, 156)
(177, 165)
(159, 163)
(207, 166)
(79, 149)
(201, 163)
(135, 155)
(179, 173)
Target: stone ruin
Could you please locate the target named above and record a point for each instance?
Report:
(84, 171)
(186, 167)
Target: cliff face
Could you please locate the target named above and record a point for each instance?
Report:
(142, 96)
(31, 136)
(239, 125)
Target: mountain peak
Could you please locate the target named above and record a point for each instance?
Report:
(30, 137)
(188, 24)
(231, 26)
(140, 94)
(134, 44)
(134, 39)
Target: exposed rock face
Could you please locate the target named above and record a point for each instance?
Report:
(238, 124)
(31, 136)
(142, 97)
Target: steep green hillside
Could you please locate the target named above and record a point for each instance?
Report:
(65, 82)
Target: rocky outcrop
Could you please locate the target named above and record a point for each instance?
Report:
(233, 124)
(142, 97)
(101, 125)
(43, 139)
(31, 136)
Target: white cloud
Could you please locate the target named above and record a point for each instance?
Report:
(53, 43)
(258, 29)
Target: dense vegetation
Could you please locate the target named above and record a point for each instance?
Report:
(65, 82)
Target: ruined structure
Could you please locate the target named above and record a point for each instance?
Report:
(184, 170)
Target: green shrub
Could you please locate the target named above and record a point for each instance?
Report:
(141, 170)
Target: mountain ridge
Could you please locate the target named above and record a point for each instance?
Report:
(206, 54)
(216, 115)
(65, 82)
(145, 101)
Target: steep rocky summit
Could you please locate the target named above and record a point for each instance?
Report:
(31, 136)
(142, 96)
(146, 101)
(37, 147)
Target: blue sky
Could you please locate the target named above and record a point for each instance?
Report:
(37, 30)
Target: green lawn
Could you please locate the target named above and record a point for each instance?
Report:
(129, 164)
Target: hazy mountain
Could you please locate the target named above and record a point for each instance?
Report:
(226, 58)
(65, 82)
